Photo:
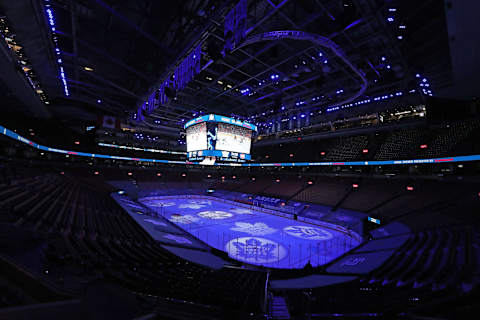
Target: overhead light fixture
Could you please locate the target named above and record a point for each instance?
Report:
(88, 69)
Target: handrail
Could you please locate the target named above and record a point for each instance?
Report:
(265, 302)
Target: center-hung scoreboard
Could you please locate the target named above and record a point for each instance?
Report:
(212, 138)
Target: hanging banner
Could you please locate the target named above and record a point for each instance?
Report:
(240, 21)
(228, 33)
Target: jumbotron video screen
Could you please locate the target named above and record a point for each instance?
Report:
(233, 138)
(218, 138)
(197, 137)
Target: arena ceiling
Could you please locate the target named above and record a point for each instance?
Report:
(115, 51)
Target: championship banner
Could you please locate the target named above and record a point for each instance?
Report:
(197, 57)
(151, 103)
(162, 96)
(235, 26)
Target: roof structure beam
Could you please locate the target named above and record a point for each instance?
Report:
(145, 34)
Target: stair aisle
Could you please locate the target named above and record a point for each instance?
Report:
(279, 308)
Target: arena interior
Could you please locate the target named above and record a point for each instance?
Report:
(245, 159)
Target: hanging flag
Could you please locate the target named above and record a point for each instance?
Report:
(109, 122)
(228, 33)
(198, 58)
(240, 21)
(151, 103)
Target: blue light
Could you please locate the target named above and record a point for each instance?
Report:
(390, 19)
(302, 115)
(245, 91)
(383, 59)
(400, 37)
(51, 21)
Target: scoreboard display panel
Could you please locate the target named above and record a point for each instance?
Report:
(218, 138)
(233, 138)
(197, 137)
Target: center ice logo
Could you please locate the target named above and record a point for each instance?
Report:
(307, 232)
(195, 204)
(255, 229)
(191, 206)
(215, 215)
(255, 250)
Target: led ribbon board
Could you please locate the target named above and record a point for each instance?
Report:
(468, 158)
(223, 119)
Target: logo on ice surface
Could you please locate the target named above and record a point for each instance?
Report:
(215, 215)
(241, 211)
(156, 203)
(307, 232)
(186, 219)
(191, 206)
(255, 229)
(195, 204)
(203, 201)
(255, 250)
